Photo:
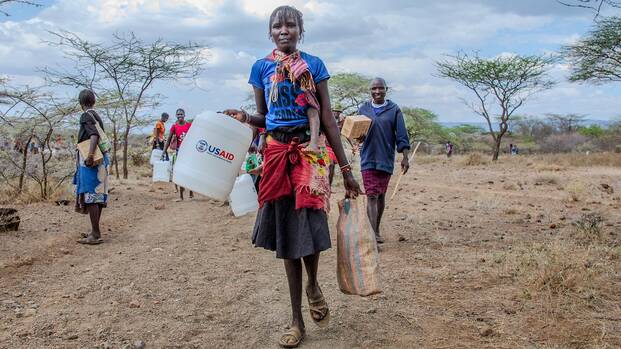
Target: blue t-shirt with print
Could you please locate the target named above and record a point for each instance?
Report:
(290, 108)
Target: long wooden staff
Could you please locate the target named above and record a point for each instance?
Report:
(401, 176)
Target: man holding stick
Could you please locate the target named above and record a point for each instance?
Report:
(386, 133)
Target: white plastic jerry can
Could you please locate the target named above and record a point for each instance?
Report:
(211, 156)
(161, 171)
(156, 155)
(243, 198)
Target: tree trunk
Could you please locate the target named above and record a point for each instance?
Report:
(504, 126)
(44, 174)
(44, 162)
(496, 149)
(24, 164)
(115, 148)
(125, 152)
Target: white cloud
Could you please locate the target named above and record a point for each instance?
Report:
(399, 40)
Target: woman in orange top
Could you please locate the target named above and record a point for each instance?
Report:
(159, 131)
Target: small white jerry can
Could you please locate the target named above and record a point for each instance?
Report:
(243, 198)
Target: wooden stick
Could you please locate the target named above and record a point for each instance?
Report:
(401, 176)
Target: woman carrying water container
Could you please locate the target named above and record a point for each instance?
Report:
(178, 131)
(91, 178)
(294, 189)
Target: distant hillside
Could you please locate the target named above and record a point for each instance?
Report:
(483, 125)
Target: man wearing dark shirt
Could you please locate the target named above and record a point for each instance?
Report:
(386, 133)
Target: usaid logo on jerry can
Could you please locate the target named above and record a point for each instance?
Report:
(203, 147)
(212, 152)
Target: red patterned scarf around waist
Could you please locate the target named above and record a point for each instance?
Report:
(287, 169)
(294, 68)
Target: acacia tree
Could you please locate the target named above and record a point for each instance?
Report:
(37, 115)
(533, 128)
(422, 124)
(111, 107)
(128, 66)
(501, 85)
(13, 165)
(348, 91)
(565, 123)
(597, 57)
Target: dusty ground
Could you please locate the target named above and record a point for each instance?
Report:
(490, 260)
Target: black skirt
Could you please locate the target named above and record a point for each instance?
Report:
(291, 233)
(280, 227)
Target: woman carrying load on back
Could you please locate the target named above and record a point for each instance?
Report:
(294, 189)
(91, 179)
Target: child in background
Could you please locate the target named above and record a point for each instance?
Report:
(252, 162)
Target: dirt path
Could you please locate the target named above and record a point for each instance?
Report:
(184, 275)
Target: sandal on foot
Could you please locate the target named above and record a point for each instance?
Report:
(319, 311)
(84, 235)
(90, 240)
(291, 338)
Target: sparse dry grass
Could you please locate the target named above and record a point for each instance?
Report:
(509, 186)
(31, 194)
(588, 228)
(474, 159)
(428, 159)
(554, 161)
(557, 269)
(562, 277)
(549, 167)
(511, 211)
(576, 191)
(546, 180)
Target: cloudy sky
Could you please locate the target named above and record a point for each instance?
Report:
(399, 40)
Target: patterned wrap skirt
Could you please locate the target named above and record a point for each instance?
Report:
(91, 184)
(292, 233)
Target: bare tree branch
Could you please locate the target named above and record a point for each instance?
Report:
(24, 2)
(595, 6)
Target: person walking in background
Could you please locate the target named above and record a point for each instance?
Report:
(159, 132)
(387, 131)
(18, 147)
(175, 138)
(294, 188)
(91, 179)
(449, 149)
